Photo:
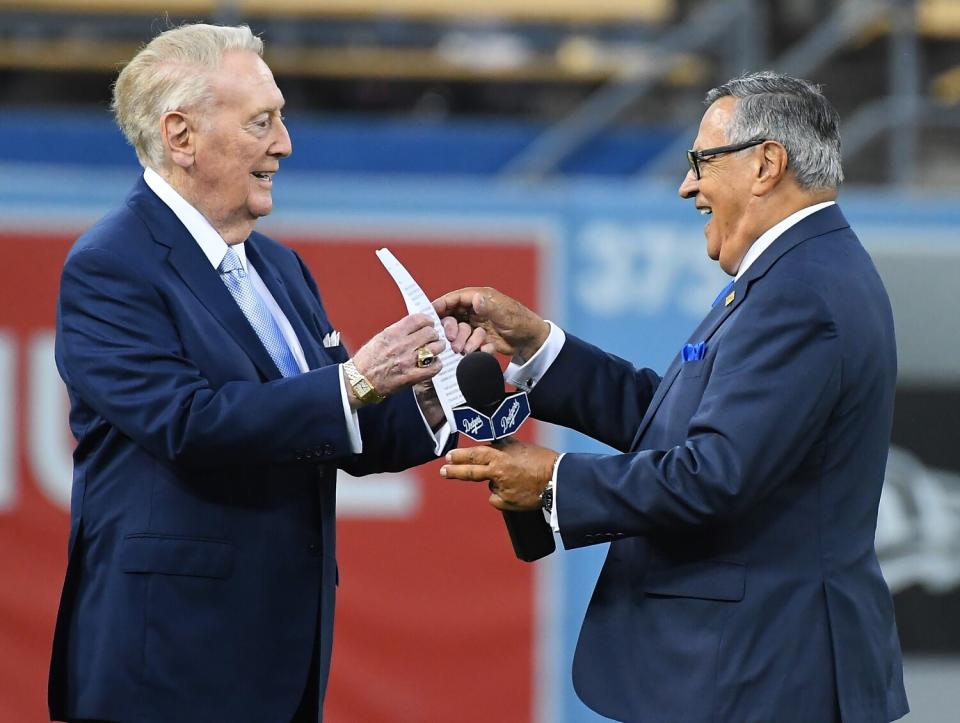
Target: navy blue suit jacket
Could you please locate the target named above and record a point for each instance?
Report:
(742, 583)
(202, 552)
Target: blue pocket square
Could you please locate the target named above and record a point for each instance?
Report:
(693, 352)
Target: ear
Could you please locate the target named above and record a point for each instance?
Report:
(178, 138)
(772, 167)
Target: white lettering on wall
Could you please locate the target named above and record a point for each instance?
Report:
(640, 269)
(49, 444)
(377, 495)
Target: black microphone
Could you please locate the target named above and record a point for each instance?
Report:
(491, 415)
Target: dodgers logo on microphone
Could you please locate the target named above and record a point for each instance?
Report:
(508, 417)
(511, 414)
(477, 426)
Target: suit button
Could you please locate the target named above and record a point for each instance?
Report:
(313, 548)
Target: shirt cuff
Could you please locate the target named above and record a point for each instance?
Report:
(553, 519)
(440, 437)
(351, 418)
(526, 376)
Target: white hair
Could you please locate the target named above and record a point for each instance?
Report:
(794, 112)
(171, 72)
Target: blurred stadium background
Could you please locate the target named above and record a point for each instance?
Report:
(532, 145)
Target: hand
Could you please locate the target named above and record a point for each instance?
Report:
(429, 404)
(464, 338)
(389, 360)
(518, 472)
(511, 328)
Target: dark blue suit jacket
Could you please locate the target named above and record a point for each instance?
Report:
(202, 552)
(742, 583)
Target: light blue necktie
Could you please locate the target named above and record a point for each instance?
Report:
(257, 313)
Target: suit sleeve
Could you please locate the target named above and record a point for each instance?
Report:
(394, 434)
(775, 379)
(119, 350)
(595, 393)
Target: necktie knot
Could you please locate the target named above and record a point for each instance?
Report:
(231, 262)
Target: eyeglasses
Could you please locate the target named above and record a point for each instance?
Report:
(695, 157)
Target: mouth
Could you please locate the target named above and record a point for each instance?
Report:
(705, 210)
(264, 176)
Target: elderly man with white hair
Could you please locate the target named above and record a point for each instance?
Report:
(212, 405)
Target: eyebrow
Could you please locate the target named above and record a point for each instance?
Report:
(269, 109)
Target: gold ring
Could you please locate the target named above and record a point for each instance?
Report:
(425, 357)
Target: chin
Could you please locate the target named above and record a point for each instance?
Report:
(259, 210)
(713, 249)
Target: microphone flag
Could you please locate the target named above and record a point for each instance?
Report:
(505, 420)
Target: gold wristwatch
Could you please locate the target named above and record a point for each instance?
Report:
(362, 388)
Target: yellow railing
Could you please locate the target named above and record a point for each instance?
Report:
(532, 10)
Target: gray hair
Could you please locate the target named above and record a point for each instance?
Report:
(171, 72)
(793, 112)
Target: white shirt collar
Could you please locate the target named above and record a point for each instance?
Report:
(211, 242)
(773, 233)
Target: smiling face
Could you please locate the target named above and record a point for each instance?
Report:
(238, 139)
(724, 191)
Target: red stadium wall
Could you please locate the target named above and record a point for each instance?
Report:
(435, 615)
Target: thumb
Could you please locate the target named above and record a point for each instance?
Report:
(480, 303)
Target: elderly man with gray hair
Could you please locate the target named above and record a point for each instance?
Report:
(741, 584)
(213, 404)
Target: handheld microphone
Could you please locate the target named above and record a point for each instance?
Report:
(491, 415)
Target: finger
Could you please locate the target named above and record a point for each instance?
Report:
(472, 455)
(422, 337)
(498, 502)
(446, 304)
(463, 334)
(504, 506)
(417, 374)
(479, 304)
(466, 472)
(450, 328)
(489, 347)
(435, 348)
(454, 303)
(476, 340)
(413, 322)
(399, 328)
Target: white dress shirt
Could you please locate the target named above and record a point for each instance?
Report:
(215, 248)
(525, 376)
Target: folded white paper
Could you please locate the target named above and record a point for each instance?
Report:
(448, 391)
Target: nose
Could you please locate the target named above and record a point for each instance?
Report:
(282, 145)
(689, 186)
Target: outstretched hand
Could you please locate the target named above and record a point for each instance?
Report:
(517, 472)
(510, 327)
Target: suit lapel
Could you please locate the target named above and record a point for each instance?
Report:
(824, 221)
(275, 283)
(711, 322)
(188, 260)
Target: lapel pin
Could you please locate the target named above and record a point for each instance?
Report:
(730, 297)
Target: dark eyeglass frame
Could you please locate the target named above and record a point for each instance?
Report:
(694, 157)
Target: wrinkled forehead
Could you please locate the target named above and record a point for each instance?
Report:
(715, 122)
(244, 79)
